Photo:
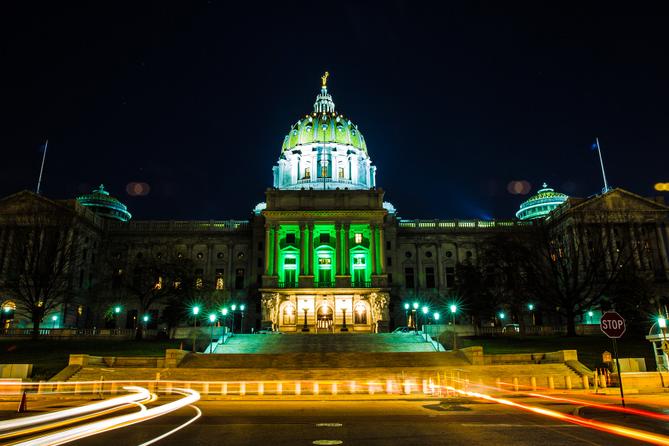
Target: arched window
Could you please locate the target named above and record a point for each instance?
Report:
(360, 314)
(289, 315)
(7, 316)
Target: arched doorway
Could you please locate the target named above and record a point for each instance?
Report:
(324, 317)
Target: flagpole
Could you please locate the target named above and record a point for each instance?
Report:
(41, 169)
(601, 163)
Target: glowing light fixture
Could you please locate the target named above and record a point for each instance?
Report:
(242, 307)
(530, 307)
(406, 306)
(502, 315)
(662, 322)
(196, 310)
(436, 316)
(117, 310)
(224, 311)
(425, 310)
(233, 307)
(415, 305)
(454, 308)
(212, 318)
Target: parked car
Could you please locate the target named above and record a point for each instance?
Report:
(511, 329)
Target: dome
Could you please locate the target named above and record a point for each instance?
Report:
(540, 204)
(103, 204)
(325, 127)
(324, 149)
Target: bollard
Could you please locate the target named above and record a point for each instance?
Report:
(224, 389)
(298, 388)
(157, 376)
(586, 383)
(77, 389)
(389, 387)
(602, 381)
(515, 384)
(334, 388)
(205, 388)
(315, 388)
(242, 388)
(279, 388)
(352, 386)
(112, 389)
(168, 387)
(407, 387)
(533, 383)
(551, 382)
(424, 387)
(567, 382)
(261, 388)
(498, 383)
(370, 388)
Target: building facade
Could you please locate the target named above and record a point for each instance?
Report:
(323, 253)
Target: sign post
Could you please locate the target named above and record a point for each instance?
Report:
(613, 325)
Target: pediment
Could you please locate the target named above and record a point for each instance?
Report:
(620, 200)
(27, 203)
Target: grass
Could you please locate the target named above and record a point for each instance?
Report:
(51, 356)
(590, 348)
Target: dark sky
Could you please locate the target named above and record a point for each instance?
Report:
(455, 101)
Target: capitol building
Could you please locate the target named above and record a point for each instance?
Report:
(323, 253)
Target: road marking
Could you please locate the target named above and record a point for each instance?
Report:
(327, 442)
(329, 425)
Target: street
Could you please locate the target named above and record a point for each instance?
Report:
(360, 422)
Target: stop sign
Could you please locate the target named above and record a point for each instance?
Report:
(612, 324)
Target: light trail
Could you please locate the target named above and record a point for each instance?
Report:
(138, 395)
(615, 429)
(198, 414)
(98, 427)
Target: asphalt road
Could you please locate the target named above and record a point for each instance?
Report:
(368, 423)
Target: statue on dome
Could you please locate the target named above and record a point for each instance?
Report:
(324, 79)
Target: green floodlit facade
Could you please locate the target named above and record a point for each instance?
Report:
(541, 204)
(104, 205)
(322, 262)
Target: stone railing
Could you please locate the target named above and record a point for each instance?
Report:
(179, 226)
(74, 333)
(461, 224)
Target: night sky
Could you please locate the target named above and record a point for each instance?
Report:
(194, 99)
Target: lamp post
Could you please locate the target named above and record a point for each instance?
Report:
(224, 312)
(54, 318)
(305, 327)
(406, 314)
(242, 307)
(212, 319)
(344, 328)
(501, 317)
(425, 319)
(145, 318)
(195, 310)
(414, 314)
(436, 320)
(454, 309)
(590, 314)
(531, 308)
(233, 307)
(117, 313)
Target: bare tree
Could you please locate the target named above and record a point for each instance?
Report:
(44, 259)
(571, 267)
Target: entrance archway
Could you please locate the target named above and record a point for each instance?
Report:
(324, 317)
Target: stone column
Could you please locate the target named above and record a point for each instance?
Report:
(382, 250)
(310, 254)
(268, 259)
(634, 246)
(662, 247)
(419, 268)
(231, 267)
(372, 249)
(303, 250)
(338, 248)
(276, 251)
(347, 252)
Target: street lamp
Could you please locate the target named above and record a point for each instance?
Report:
(344, 328)
(662, 322)
(54, 318)
(195, 310)
(414, 317)
(436, 320)
(241, 310)
(212, 319)
(425, 319)
(233, 307)
(531, 308)
(145, 318)
(454, 309)
(501, 315)
(590, 314)
(406, 313)
(224, 312)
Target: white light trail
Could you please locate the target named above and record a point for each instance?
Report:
(198, 414)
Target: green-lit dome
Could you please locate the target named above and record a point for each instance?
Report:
(324, 150)
(103, 204)
(540, 204)
(324, 127)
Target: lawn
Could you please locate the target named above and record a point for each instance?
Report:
(51, 356)
(590, 348)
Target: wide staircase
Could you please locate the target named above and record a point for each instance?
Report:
(315, 343)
